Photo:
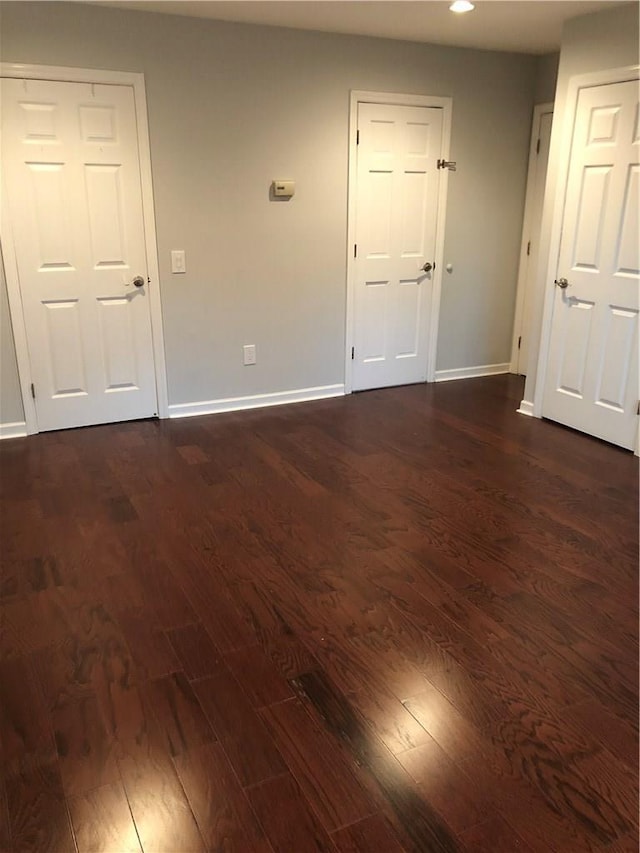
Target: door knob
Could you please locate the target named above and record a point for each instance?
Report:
(427, 267)
(562, 283)
(138, 281)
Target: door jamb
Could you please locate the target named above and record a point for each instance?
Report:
(358, 96)
(538, 111)
(576, 84)
(90, 75)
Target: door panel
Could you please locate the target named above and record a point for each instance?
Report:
(617, 353)
(72, 179)
(396, 206)
(118, 349)
(407, 326)
(576, 334)
(592, 375)
(106, 216)
(374, 328)
(590, 218)
(414, 196)
(627, 257)
(64, 347)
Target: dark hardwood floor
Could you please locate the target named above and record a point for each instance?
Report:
(405, 620)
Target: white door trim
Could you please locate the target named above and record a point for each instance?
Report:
(576, 84)
(89, 75)
(538, 111)
(389, 98)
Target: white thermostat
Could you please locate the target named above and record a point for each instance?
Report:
(283, 189)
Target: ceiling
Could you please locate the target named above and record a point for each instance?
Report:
(525, 26)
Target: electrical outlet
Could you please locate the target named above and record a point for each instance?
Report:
(249, 353)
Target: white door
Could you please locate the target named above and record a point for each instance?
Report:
(396, 206)
(592, 374)
(72, 180)
(531, 238)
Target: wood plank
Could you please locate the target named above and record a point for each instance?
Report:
(543, 818)
(20, 578)
(178, 712)
(5, 834)
(444, 722)
(445, 787)
(196, 653)
(613, 783)
(372, 833)
(286, 817)
(160, 809)
(493, 836)
(150, 649)
(394, 724)
(398, 797)
(162, 592)
(258, 676)
(102, 821)
(86, 748)
(25, 728)
(38, 817)
(618, 736)
(219, 804)
(320, 769)
(244, 738)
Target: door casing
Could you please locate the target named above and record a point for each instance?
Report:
(88, 75)
(392, 99)
(576, 84)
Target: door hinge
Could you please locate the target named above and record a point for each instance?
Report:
(451, 165)
(357, 137)
(519, 341)
(538, 147)
(353, 353)
(33, 391)
(529, 247)
(355, 250)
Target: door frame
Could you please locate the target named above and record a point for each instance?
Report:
(549, 270)
(358, 96)
(89, 75)
(523, 270)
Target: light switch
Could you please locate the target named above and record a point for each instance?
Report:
(178, 261)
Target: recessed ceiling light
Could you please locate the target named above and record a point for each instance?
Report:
(461, 6)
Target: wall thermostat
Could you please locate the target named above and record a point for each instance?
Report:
(283, 189)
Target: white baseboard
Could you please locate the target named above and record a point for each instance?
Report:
(258, 401)
(14, 430)
(526, 408)
(471, 372)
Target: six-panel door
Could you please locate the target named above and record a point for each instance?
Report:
(396, 206)
(592, 374)
(72, 177)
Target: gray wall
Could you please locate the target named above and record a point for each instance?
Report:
(590, 43)
(546, 78)
(11, 410)
(233, 106)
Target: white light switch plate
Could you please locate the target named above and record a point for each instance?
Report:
(249, 353)
(178, 261)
